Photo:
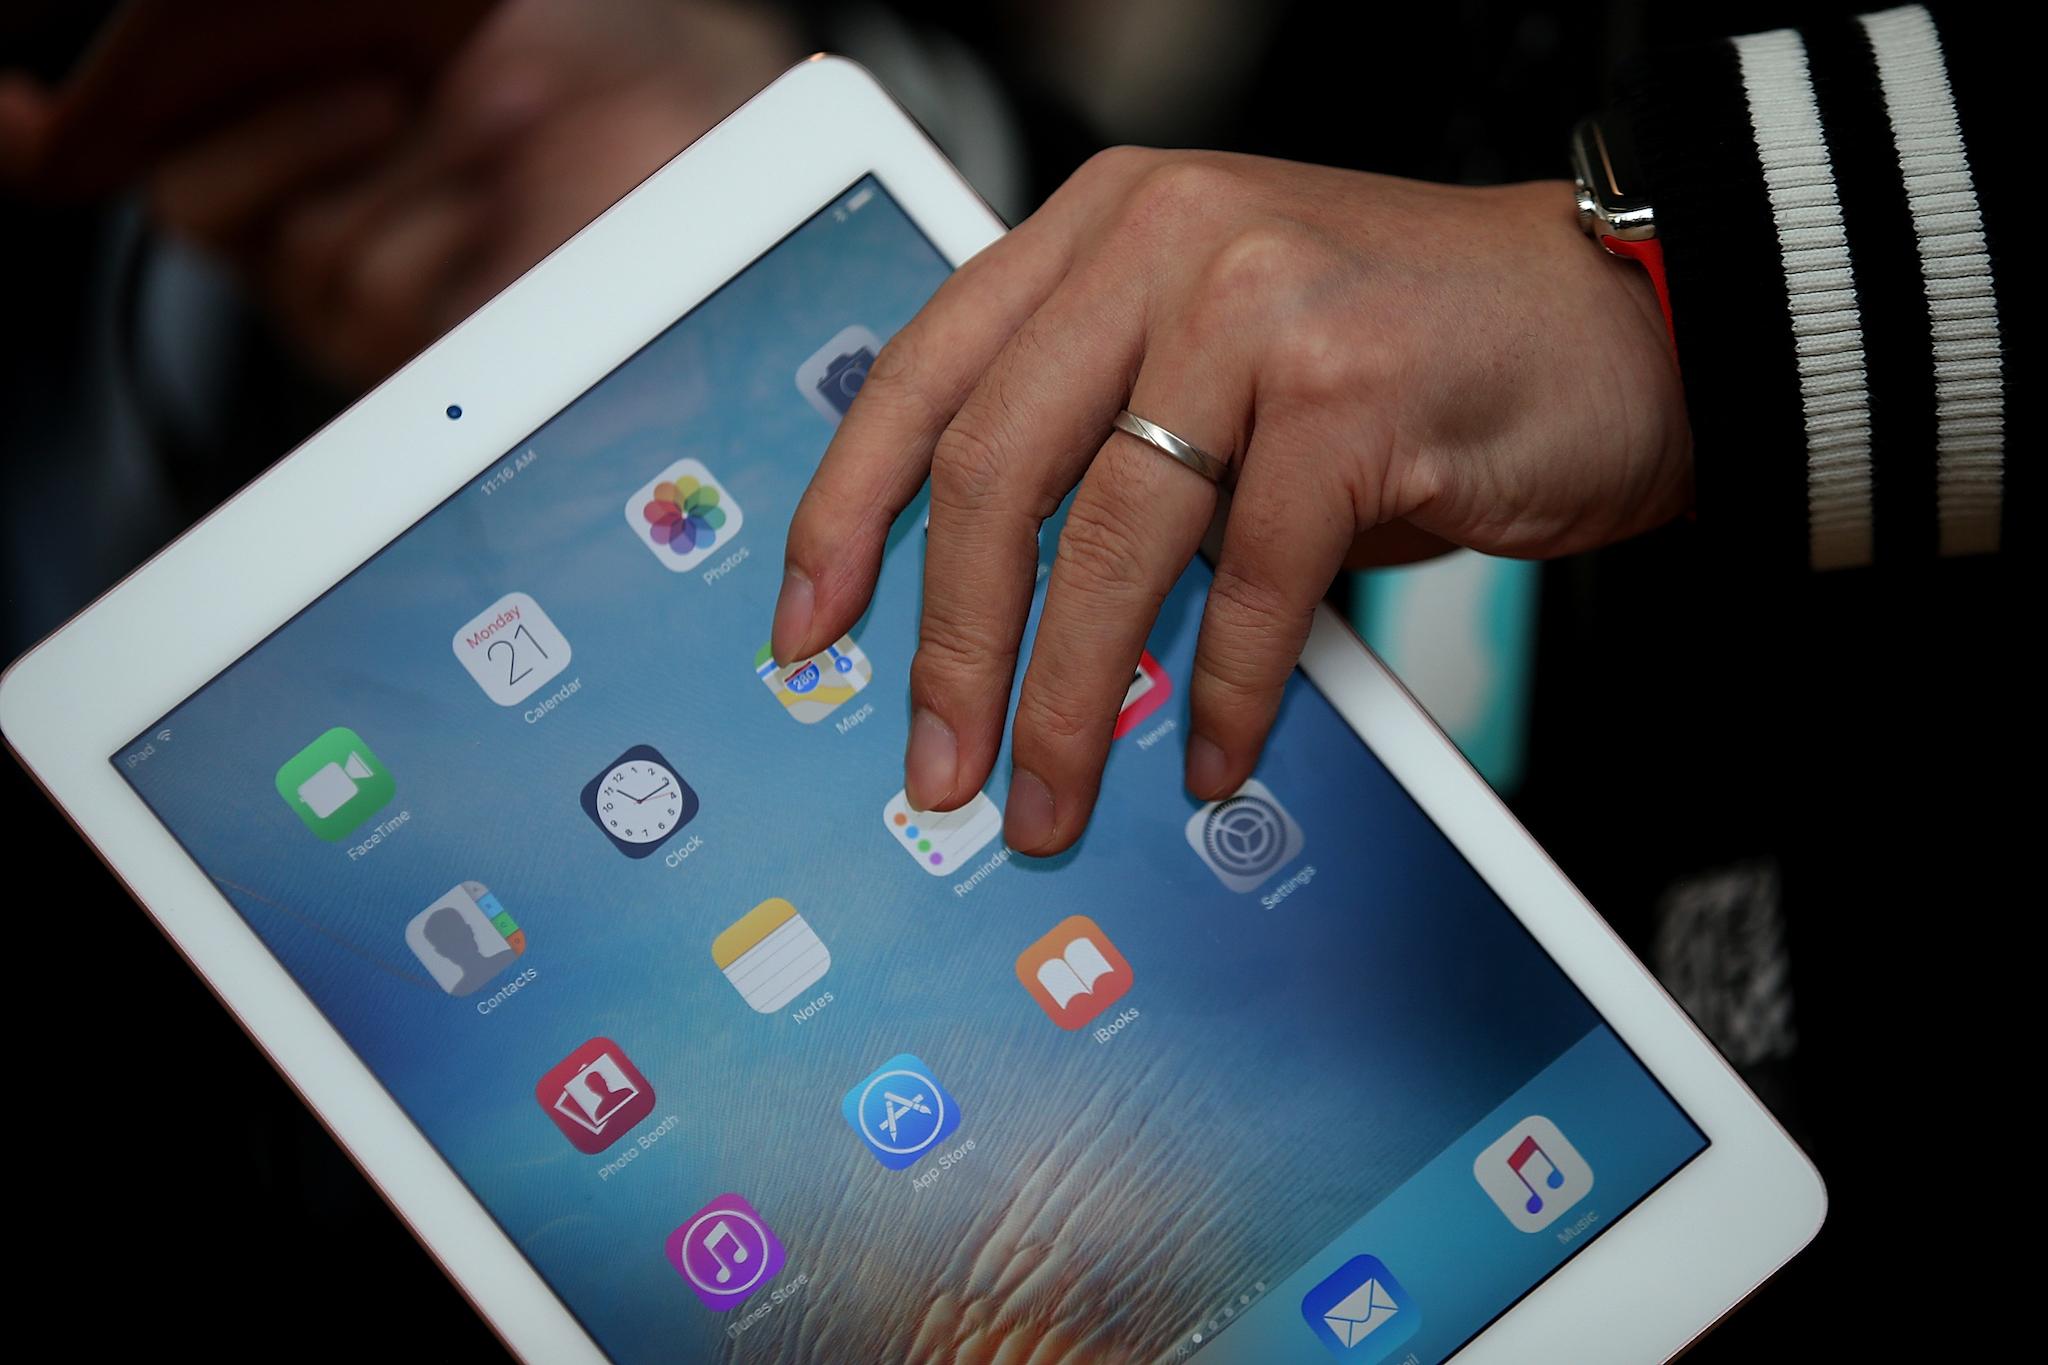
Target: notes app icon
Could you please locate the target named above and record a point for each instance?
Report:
(1074, 972)
(771, 955)
(1533, 1174)
(725, 1251)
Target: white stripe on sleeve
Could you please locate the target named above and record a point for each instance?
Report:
(1820, 289)
(1955, 264)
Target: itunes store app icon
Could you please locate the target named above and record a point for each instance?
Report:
(725, 1251)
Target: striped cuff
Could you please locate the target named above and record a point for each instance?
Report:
(1834, 291)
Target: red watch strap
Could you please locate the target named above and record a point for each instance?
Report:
(1650, 255)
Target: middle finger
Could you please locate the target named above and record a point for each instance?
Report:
(1000, 469)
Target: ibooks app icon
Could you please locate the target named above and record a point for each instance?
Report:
(1074, 972)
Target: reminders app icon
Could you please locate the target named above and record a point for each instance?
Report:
(1361, 1313)
(942, 842)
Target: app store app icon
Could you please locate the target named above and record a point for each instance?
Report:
(900, 1111)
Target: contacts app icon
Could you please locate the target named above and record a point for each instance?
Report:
(465, 938)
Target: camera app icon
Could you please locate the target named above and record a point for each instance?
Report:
(834, 373)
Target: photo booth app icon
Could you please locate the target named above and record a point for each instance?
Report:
(335, 783)
(595, 1095)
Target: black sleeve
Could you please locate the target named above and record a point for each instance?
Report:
(1837, 207)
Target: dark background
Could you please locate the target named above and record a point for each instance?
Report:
(1860, 737)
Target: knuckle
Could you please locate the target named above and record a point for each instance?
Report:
(1175, 192)
(897, 386)
(1098, 544)
(1051, 715)
(1317, 363)
(1257, 262)
(1247, 607)
(1117, 163)
(946, 664)
(967, 466)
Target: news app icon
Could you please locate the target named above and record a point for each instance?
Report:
(335, 783)
(1074, 972)
(1245, 838)
(594, 1095)
(1533, 1174)
(900, 1111)
(1150, 689)
(725, 1251)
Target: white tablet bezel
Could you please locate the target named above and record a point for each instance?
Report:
(1678, 1261)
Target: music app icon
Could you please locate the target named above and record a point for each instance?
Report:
(1533, 1174)
(725, 1251)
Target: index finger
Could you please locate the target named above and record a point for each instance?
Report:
(883, 450)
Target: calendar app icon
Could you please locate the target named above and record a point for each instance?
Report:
(511, 649)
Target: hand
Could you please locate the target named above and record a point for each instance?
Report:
(374, 216)
(1390, 368)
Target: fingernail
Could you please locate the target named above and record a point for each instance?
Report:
(792, 615)
(1027, 818)
(1207, 769)
(931, 761)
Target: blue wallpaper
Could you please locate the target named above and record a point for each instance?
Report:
(1283, 1066)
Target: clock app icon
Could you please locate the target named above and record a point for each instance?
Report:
(639, 801)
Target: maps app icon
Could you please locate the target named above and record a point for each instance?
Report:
(821, 684)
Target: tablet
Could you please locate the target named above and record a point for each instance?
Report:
(450, 753)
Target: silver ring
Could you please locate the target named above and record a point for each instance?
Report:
(1160, 439)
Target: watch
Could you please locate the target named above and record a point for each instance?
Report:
(1614, 201)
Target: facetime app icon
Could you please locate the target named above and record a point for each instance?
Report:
(1074, 972)
(335, 783)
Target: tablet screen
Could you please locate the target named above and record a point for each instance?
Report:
(755, 1062)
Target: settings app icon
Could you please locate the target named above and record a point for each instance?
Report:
(1245, 838)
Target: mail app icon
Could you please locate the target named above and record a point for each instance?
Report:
(1361, 1313)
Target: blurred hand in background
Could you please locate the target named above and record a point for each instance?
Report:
(372, 210)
